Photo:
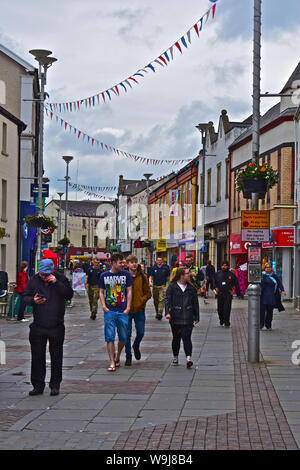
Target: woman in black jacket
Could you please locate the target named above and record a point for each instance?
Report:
(182, 310)
(271, 287)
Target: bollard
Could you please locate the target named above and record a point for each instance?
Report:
(253, 292)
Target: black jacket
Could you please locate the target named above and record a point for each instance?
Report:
(225, 281)
(182, 306)
(51, 313)
(270, 295)
(210, 272)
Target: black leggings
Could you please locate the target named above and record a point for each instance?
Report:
(183, 332)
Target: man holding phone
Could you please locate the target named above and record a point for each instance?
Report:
(46, 292)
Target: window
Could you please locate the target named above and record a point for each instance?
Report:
(208, 194)
(83, 243)
(227, 179)
(201, 190)
(95, 223)
(84, 223)
(190, 200)
(219, 182)
(183, 202)
(4, 138)
(4, 201)
(95, 241)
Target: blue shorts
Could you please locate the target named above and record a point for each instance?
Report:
(113, 320)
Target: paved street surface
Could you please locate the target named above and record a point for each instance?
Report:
(221, 403)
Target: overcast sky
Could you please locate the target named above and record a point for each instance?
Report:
(99, 43)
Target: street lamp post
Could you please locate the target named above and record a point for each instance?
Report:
(59, 218)
(67, 159)
(254, 289)
(44, 61)
(148, 176)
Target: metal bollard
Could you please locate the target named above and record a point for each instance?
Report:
(253, 292)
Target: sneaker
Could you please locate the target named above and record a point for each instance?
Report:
(189, 362)
(175, 361)
(23, 320)
(227, 326)
(221, 323)
(54, 391)
(269, 328)
(128, 361)
(137, 353)
(93, 316)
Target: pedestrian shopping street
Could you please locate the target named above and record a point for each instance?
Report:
(222, 402)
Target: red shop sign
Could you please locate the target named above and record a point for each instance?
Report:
(238, 247)
(284, 237)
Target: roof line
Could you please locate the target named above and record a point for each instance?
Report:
(17, 58)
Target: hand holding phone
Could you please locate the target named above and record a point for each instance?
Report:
(39, 299)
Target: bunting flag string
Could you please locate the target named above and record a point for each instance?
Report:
(107, 148)
(163, 60)
(92, 194)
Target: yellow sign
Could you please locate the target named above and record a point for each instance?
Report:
(255, 220)
(161, 244)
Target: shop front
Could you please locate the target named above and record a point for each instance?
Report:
(221, 244)
(280, 252)
(238, 251)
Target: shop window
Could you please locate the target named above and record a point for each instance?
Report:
(84, 223)
(83, 242)
(95, 241)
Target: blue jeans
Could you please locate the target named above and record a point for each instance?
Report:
(139, 320)
(113, 320)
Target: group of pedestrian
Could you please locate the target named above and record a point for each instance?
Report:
(123, 294)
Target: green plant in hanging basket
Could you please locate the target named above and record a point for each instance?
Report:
(39, 220)
(64, 241)
(256, 172)
(2, 232)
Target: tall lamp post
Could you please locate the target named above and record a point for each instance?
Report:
(44, 61)
(67, 159)
(148, 176)
(59, 218)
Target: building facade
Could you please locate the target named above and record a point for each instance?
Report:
(91, 225)
(20, 89)
(10, 132)
(213, 196)
(277, 148)
(172, 215)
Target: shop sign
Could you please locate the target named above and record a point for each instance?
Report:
(255, 235)
(161, 244)
(238, 247)
(259, 220)
(283, 238)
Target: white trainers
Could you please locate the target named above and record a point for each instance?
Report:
(189, 362)
(175, 361)
(23, 320)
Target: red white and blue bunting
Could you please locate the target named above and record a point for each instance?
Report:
(79, 134)
(163, 60)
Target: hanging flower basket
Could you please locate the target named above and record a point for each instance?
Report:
(256, 179)
(2, 232)
(254, 185)
(64, 241)
(39, 220)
